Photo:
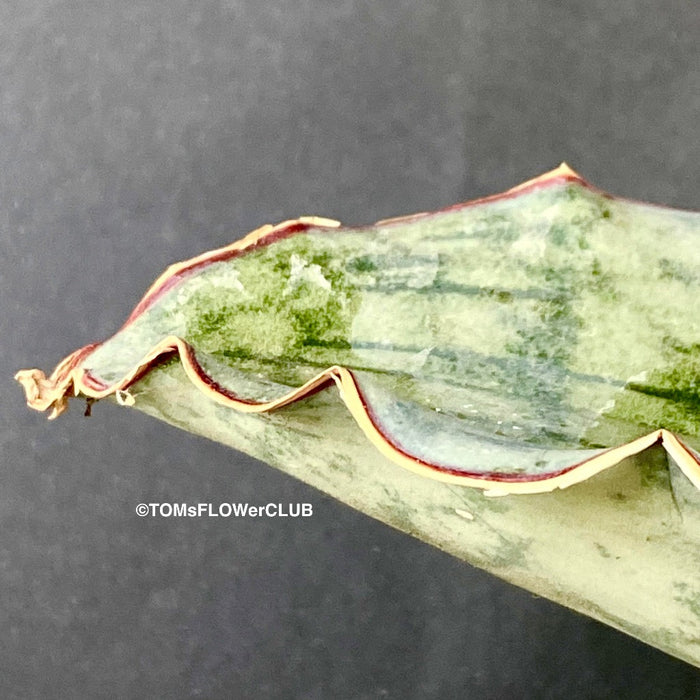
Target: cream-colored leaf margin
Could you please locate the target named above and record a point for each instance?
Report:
(70, 379)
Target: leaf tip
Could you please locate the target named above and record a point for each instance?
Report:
(43, 393)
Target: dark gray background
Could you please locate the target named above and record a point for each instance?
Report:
(137, 133)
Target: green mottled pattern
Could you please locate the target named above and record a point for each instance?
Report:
(560, 319)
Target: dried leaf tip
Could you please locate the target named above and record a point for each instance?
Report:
(42, 393)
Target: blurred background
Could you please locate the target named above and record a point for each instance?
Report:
(138, 133)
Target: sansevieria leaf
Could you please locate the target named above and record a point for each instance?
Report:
(542, 344)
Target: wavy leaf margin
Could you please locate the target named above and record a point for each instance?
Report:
(69, 379)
